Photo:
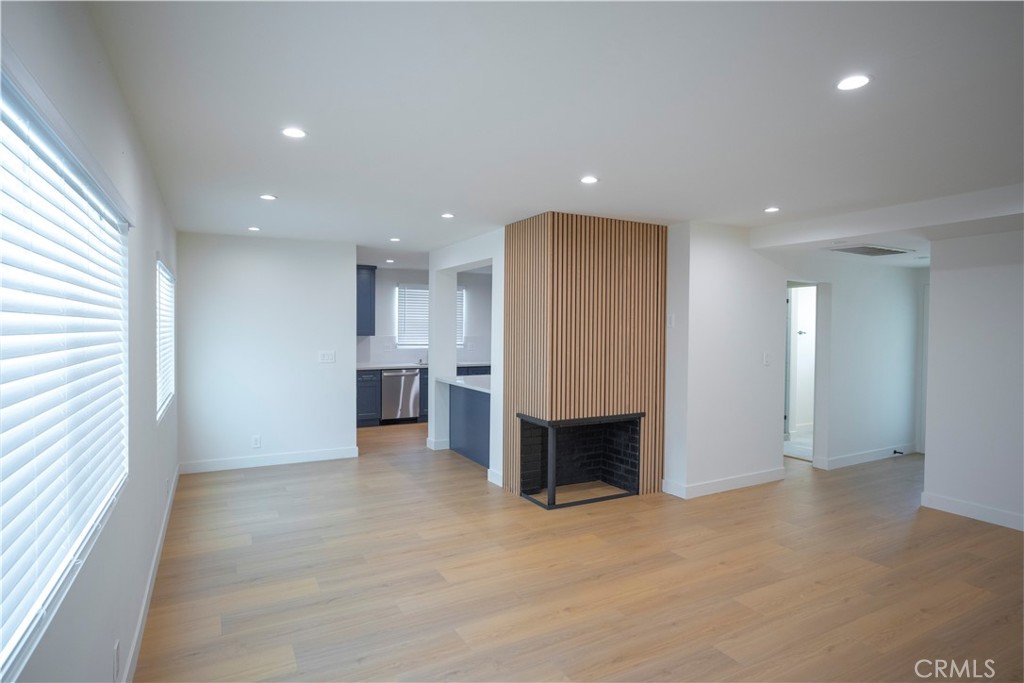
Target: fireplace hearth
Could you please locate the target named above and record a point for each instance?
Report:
(569, 454)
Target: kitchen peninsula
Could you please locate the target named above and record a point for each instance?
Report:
(469, 416)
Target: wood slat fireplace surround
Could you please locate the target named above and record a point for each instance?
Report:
(584, 330)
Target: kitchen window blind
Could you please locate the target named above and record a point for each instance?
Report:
(164, 338)
(460, 318)
(413, 316)
(63, 372)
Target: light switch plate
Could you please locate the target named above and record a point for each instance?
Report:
(328, 356)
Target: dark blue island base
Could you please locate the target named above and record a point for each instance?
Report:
(469, 424)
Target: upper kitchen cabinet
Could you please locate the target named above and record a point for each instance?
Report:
(366, 300)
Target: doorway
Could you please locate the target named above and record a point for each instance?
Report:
(801, 348)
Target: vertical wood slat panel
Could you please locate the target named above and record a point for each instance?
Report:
(527, 333)
(585, 328)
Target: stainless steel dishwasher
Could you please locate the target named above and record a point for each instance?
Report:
(400, 394)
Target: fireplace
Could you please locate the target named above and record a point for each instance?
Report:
(586, 460)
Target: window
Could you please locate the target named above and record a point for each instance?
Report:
(413, 316)
(164, 338)
(460, 318)
(63, 371)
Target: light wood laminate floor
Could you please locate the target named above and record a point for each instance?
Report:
(405, 564)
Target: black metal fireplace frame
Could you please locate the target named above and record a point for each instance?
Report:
(552, 426)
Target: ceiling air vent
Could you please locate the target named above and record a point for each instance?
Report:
(871, 250)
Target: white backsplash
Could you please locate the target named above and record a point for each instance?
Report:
(384, 350)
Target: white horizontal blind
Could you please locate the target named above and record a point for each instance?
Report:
(164, 338)
(63, 373)
(460, 317)
(413, 316)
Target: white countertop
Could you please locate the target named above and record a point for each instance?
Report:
(390, 366)
(402, 366)
(481, 383)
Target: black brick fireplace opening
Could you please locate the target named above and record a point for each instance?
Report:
(563, 453)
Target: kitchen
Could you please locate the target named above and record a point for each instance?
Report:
(392, 349)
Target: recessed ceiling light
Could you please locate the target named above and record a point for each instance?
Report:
(772, 209)
(253, 228)
(447, 215)
(293, 133)
(390, 260)
(838, 241)
(853, 82)
(396, 239)
(268, 197)
(588, 180)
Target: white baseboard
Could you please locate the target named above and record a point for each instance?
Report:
(140, 628)
(674, 488)
(836, 462)
(965, 508)
(438, 444)
(246, 461)
(495, 477)
(724, 484)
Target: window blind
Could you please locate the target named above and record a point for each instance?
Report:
(63, 372)
(164, 338)
(413, 316)
(460, 317)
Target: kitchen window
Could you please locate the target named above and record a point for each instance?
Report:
(413, 317)
(63, 371)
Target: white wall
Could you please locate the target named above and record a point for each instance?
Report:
(478, 318)
(736, 319)
(53, 51)
(253, 315)
(445, 263)
(677, 336)
(975, 460)
(873, 338)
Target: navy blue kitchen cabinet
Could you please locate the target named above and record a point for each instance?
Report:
(366, 300)
(424, 393)
(463, 370)
(367, 398)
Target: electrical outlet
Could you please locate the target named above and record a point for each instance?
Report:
(257, 441)
(117, 660)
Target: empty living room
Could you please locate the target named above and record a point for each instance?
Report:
(512, 341)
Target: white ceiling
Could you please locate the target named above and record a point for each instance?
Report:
(493, 111)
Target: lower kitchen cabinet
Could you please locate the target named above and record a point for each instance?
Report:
(367, 398)
(464, 370)
(424, 394)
